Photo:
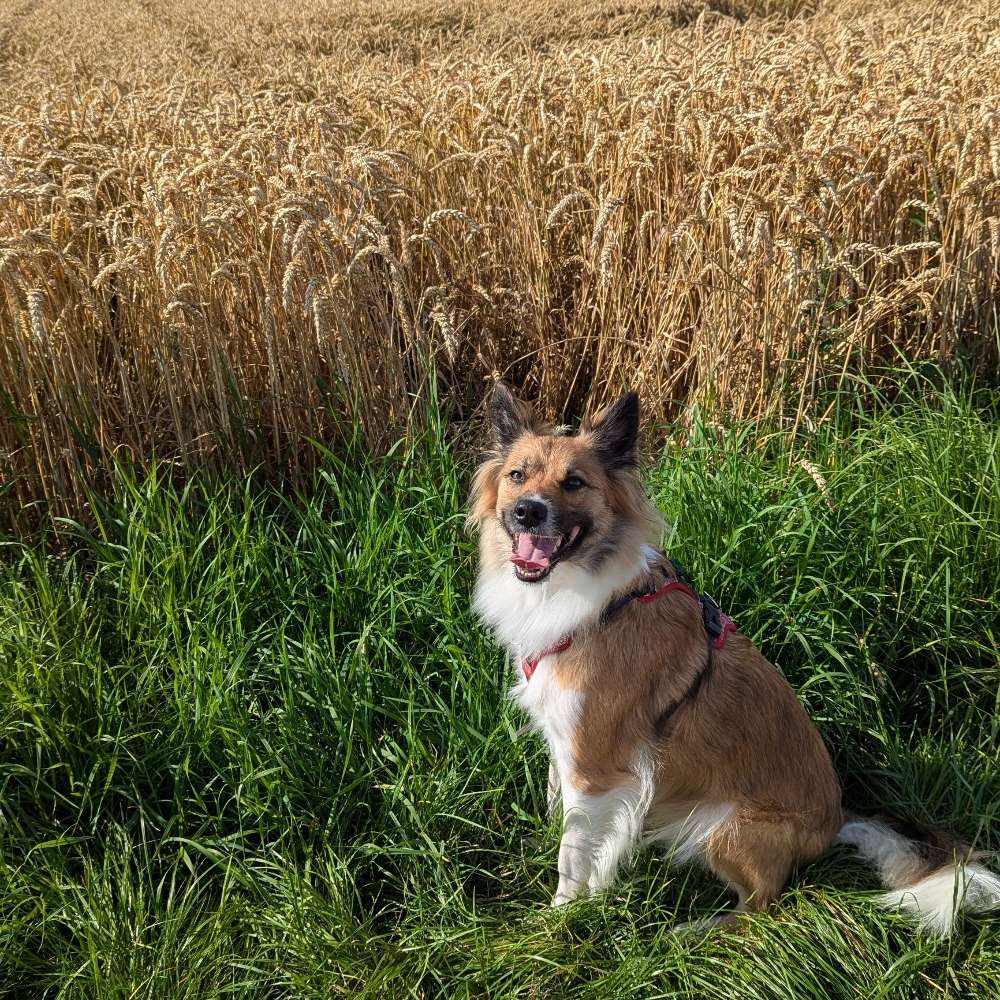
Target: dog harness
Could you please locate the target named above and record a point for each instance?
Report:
(717, 623)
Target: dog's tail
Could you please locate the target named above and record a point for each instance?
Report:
(930, 874)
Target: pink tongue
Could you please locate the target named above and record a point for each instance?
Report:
(533, 551)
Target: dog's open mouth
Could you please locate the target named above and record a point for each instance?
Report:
(534, 556)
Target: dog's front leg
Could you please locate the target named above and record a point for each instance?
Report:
(599, 832)
(576, 848)
(622, 815)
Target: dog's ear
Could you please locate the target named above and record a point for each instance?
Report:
(614, 432)
(510, 416)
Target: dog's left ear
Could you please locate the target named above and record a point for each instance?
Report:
(614, 432)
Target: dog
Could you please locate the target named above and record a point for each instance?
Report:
(664, 722)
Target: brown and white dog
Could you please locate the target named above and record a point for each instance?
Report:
(662, 727)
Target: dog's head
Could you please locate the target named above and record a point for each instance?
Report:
(543, 497)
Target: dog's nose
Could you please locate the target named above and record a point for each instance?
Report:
(530, 513)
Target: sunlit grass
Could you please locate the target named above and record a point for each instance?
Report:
(253, 745)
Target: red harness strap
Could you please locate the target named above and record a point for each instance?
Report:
(530, 665)
(727, 624)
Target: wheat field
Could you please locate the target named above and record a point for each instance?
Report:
(225, 230)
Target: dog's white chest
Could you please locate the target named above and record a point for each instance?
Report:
(554, 710)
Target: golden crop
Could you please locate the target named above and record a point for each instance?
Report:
(223, 227)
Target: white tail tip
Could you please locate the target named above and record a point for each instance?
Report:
(935, 901)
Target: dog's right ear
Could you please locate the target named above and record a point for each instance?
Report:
(510, 416)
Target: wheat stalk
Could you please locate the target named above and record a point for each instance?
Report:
(710, 214)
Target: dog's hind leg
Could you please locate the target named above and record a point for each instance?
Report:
(754, 859)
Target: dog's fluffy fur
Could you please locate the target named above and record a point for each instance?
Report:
(738, 778)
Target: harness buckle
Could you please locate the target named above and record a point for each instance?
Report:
(712, 615)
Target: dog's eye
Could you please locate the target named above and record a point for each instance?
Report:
(571, 483)
(516, 476)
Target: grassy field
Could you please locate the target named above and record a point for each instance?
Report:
(224, 226)
(258, 265)
(254, 745)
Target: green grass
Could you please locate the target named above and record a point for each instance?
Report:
(253, 746)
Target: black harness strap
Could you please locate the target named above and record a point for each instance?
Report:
(624, 601)
(714, 628)
(710, 611)
(660, 725)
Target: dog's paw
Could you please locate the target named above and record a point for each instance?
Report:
(561, 898)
